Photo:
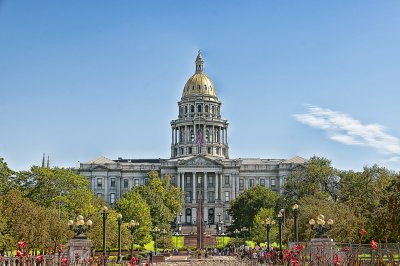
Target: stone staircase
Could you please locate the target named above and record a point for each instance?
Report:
(208, 240)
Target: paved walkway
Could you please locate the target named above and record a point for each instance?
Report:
(182, 260)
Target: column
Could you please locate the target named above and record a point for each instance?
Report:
(172, 136)
(237, 186)
(178, 180)
(216, 186)
(220, 180)
(186, 135)
(226, 136)
(194, 187)
(205, 196)
(176, 134)
(183, 182)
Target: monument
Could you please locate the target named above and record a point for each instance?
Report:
(79, 247)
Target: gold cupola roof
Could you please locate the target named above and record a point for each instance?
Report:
(199, 84)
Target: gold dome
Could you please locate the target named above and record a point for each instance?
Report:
(199, 83)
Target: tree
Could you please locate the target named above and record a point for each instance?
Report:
(245, 207)
(258, 231)
(317, 176)
(163, 199)
(133, 207)
(5, 175)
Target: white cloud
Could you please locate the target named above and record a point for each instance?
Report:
(347, 130)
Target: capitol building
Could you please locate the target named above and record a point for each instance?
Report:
(199, 164)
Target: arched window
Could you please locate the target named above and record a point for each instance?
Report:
(192, 108)
(186, 109)
(199, 108)
(188, 217)
(207, 136)
(212, 109)
(206, 109)
(211, 216)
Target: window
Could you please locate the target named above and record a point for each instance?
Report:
(206, 108)
(188, 180)
(226, 178)
(212, 109)
(199, 108)
(241, 184)
(191, 136)
(251, 183)
(112, 198)
(126, 183)
(190, 150)
(99, 182)
(173, 180)
(227, 196)
(112, 182)
(207, 136)
(272, 182)
(188, 217)
(146, 181)
(210, 181)
(99, 195)
(186, 109)
(188, 196)
(180, 151)
(210, 196)
(192, 108)
(262, 182)
(136, 182)
(226, 215)
(218, 150)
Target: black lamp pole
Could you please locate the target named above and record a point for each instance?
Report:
(156, 230)
(280, 221)
(164, 232)
(296, 222)
(132, 227)
(104, 213)
(119, 218)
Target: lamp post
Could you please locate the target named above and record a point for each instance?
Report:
(119, 219)
(132, 227)
(268, 223)
(180, 218)
(236, 232)
(79, 228)
(280, 221)
(296, 222)
(104, 213)
(321, 230)
(163, 232)
(244, 230)
(156, 230)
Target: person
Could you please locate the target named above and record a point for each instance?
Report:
(151, 256)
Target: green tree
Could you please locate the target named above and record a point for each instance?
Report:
(163, 200)
(317, 176)
(246, 206)
(133, 207)
(5, 175)
(259, 231)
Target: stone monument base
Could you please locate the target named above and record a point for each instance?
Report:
(323, 251)
(79, 249)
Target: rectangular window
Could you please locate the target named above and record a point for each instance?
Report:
(251, 182)
(126, 183)
(188, 196)
(241, 184)
(99, 182)
(227, 196)
(273, 182)
(188, 180)
(226, 179)
(173, 180)
(210, 195)
(112, 198)
(262, 182)
(99, 195)
(112, 183)
(210, 181)
(136, 182)
(226, 215)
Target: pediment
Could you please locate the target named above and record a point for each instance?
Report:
(200, 161)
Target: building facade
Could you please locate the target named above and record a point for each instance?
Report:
(199, 162)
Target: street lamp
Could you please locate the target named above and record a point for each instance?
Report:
(244, 230)
(119, 219)
(180, 218)
(321, 229)
(219, 217)
(236, 232)
(163, 232)
(268, 223)
(79, 228)
(296, 222)
(104, 214)
(280, 221)
(156, 231)
(132, 227)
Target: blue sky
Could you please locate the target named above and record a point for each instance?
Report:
(80, 79)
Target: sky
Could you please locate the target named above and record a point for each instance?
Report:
(83, 79)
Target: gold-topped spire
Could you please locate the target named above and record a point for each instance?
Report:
(199, 83)
(199, 62)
